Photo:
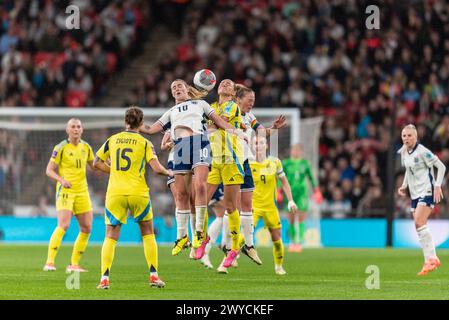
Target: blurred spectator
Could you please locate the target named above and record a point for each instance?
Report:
(41, 209)
(373, 203)
(83, 60)
(338, 207)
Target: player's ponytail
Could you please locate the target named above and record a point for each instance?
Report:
(193, 92)
(241, 91)
(412, 127)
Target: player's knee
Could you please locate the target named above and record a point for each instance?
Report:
(230, 207)
(182, 198)
(201, 190)
(64, 225)
(419, 223)
(86, 229)
(275, 234)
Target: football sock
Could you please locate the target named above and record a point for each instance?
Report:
(192, 223)
(150, 250)
(291, 233)
(246, 219)
(206, 222)
(79, 247)
(241, 239)
(214, 232)
(426, 241)
(182, 223)
(234, 228)
(200, 218)
(55, 244)
(278, 252)
(302, 231)
(107, 255)
(296, 240)
(226, 236)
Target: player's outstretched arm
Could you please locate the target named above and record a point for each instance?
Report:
(101, 165)
(167, 142)
(279, 123)
(154, 128)
(288, 192)
(52, 172)
(159, 168)
(223, 124)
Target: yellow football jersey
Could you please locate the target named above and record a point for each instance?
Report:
(72, 161)
(264, 176)
(129, 153)
(226, 147)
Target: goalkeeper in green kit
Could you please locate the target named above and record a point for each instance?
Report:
(298, 171)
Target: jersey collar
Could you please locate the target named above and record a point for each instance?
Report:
(413, 150)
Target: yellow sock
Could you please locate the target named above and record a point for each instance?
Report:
(79, 247)
(234, 228)
(206, 222)
(107, 255)
(278, 252)
(241, 240)
(55, 243)
(150, 250)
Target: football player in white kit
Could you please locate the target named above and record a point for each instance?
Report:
(192, 152)
(424, 190)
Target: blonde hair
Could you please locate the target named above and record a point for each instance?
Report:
(409, 127)
(193, 92)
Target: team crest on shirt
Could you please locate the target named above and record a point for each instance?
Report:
(416, 159)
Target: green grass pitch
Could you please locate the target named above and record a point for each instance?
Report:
(312, 274)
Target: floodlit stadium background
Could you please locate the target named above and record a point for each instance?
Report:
(317, 57)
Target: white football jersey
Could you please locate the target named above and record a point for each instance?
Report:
(171, 155)
(188, 114)
(419, 171)
(251, 124)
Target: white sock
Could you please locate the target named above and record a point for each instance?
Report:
(182, 223)
(200, 217)
(192, 223)
(226, 235)
(246, 221)
(213, 232)
(426, 241)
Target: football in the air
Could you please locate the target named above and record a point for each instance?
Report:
(204, 80)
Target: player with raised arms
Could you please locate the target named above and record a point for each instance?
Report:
(298, 171)
(245, 98)
(265, 172)
(425, 191)
(227, 164)
(67, 166)
(192, 151)
(129, 152)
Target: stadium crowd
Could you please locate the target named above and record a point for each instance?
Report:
(317, 56)
(45, 63)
